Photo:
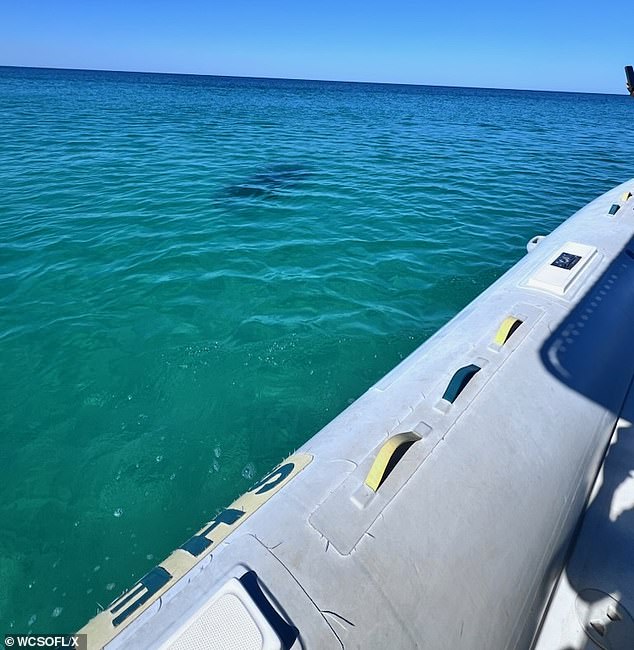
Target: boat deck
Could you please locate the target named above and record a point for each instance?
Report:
(593, 603)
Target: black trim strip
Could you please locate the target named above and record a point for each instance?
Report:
(228, 516)
(153, 581)
(130, 595)
(196, 545)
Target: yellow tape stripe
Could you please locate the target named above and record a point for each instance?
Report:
(379, 466)
(626, 196)
(508, 326)
(101, 630)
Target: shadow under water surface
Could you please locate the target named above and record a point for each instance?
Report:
(269, 184)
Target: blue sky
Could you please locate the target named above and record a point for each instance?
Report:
(549, 45)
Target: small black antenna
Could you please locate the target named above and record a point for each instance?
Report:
(629, 79)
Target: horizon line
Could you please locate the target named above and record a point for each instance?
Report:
(375, 83)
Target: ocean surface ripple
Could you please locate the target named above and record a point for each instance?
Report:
(197, 273)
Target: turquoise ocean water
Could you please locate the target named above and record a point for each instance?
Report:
(197, 273)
